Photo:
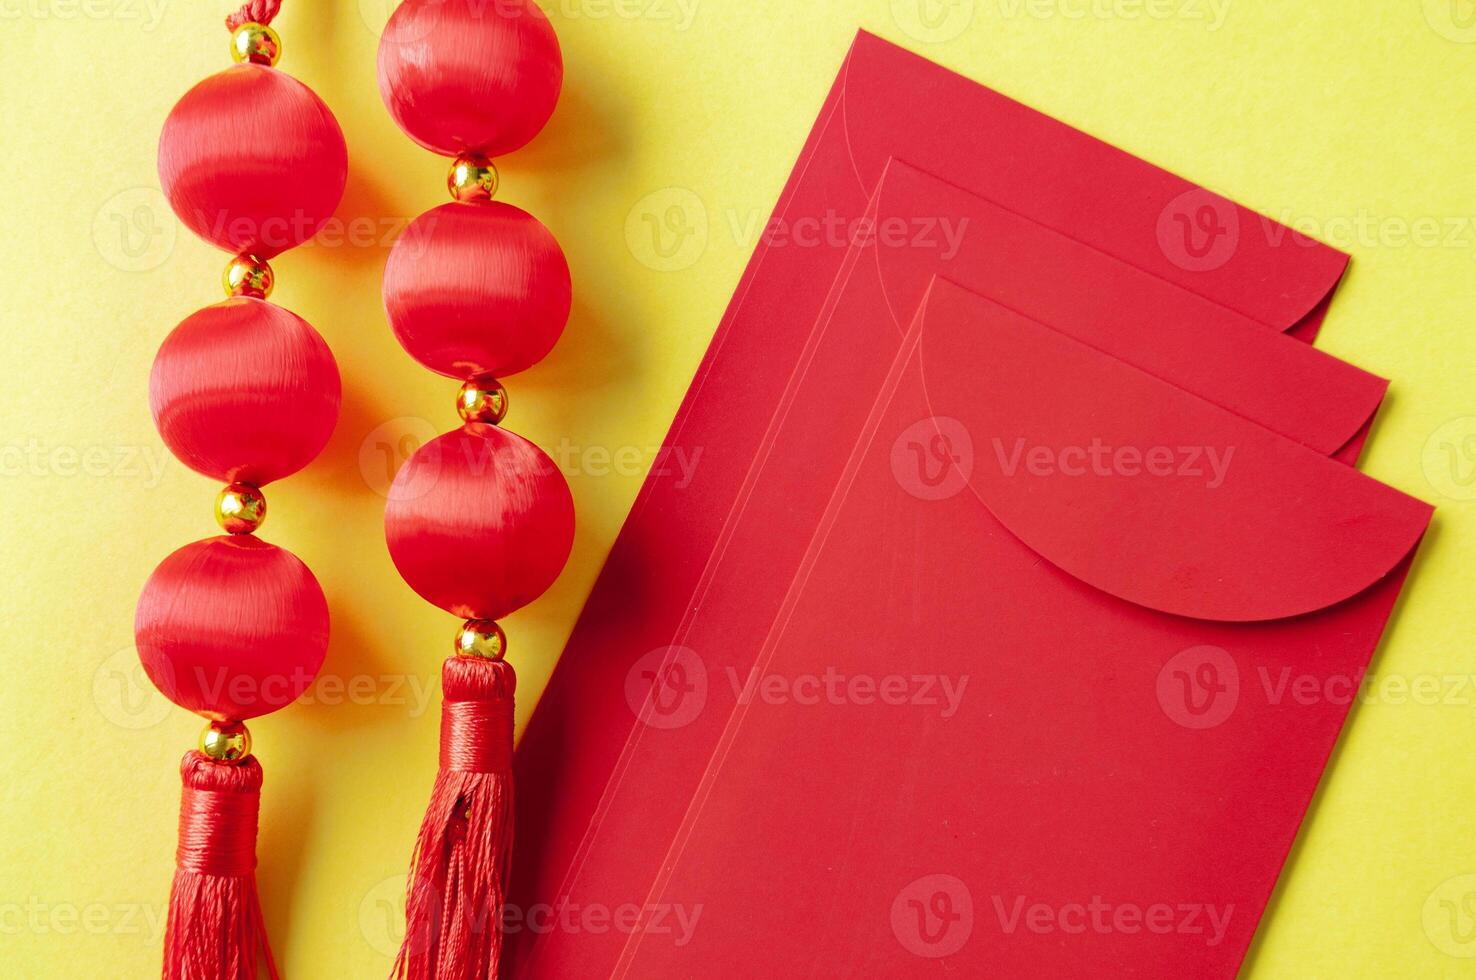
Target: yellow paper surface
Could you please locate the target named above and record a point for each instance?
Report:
(1349, 118)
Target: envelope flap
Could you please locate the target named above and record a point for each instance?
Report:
(1151, 323)
(1141, 489)
(1055, 174)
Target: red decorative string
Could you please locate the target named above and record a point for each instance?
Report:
(217, 831)
(476, 736)
(457, 80)
(254, 12)
(251, 412)
(215, 928)
(457, 886)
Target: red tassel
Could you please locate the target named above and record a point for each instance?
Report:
(215, 929)
(458, 874)
(254, 12)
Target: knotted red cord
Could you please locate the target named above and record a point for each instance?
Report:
(254, 12)
(217, 829)
(476, 735)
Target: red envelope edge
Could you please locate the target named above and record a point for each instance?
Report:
(891, 102)
(1272, 529)
(922, 225)
(1115, 798)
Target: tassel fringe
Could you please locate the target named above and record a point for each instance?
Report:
(458, 874)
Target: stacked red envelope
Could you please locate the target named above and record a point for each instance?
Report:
(958, 649)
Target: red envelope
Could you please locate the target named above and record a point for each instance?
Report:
(1084, 781)
(1082, 768)
(604, 816)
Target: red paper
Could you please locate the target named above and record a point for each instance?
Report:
(1046, 755)
(853, 551)
(710, 554)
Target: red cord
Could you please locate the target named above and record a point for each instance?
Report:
(217, 829)
(254, 12)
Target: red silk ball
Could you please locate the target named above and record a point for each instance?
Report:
(245, 391)
(479, 522)
(470, 76)
(472, 290)
(252, 160)
(231, 628)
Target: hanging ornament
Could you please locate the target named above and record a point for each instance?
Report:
(461, 76)
(490, 527)
(480, 521)
(244, 392)
(477, 292)
(245, 360)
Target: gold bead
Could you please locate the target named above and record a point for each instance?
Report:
(482, 400)
(256, 43)
(481, 638)
(240, 508)
(472, 178)
(246, 275)
(226, 741)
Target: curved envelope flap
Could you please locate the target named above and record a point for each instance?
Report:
(1056, 175)
(1143, 490)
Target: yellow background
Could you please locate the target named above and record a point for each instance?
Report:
(1352, 116)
